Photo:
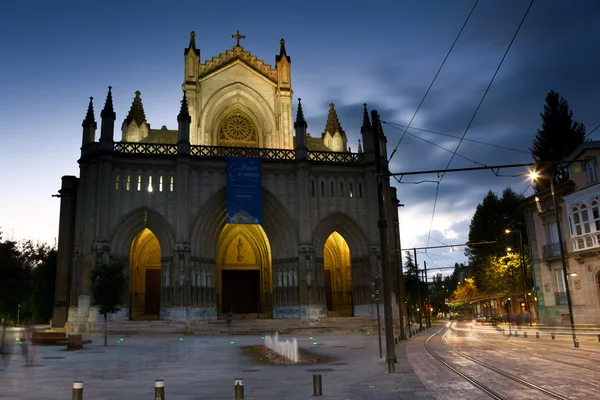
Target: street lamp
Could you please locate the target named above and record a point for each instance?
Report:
(534, 175)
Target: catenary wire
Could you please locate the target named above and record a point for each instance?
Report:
(434, 79)
(477, 110)
(391, 124)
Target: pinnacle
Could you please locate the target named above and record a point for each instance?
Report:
(333, 123)
(136, 112)
(184, 113)
(108, 111)
(300, 121)
(366, 121)
(89, 117)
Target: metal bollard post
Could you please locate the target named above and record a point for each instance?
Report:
(599, 338)
(159, 389)
(317, 385)
(553, 336)
(516, 333)
(395, 340)
(576, 343)
(537, 335)
(525, 334)
(239, 389)
(78, 390)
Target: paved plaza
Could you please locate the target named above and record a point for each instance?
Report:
(196, 367)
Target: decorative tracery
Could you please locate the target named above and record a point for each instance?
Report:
(238, 130)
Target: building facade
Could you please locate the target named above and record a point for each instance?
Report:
(579, 210)
(156, 200)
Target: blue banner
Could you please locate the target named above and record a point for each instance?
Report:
(244, 190)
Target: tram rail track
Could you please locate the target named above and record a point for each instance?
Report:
(477, 383)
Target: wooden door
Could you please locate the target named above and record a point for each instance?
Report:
(152, 303)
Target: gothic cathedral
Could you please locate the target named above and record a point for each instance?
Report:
(156, 201)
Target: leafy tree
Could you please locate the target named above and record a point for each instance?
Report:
(108, 289)
(42, 293)
(489, 223)
(465, 291)
(558, 136)
(13, 282)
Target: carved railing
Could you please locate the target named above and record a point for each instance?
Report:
(250, 152)
(145, 148)
(335, 157)
(218, 152)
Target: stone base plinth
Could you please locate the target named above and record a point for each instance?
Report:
(188, 313)
(308, 313)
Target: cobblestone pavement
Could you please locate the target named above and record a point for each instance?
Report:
(205, 368)
(552, 364)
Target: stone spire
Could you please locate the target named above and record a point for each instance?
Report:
(333, 123)
(192, 45)
(282, 53)
(366, 124)
(89, 125)
(360, 150)
(136, 112)
(108, 116)
(366, 131)
(184, 120)
(300, 127)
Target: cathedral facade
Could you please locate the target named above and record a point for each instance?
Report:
(156, 201)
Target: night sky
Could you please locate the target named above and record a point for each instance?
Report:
(385, 54)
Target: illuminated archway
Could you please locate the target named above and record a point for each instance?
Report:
(244, 278)
(338, 275)
(144, 284)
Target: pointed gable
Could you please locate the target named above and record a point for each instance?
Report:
(333, 123)
(237, 53)
(136, 112)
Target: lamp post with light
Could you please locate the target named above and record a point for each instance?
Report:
(534, 175)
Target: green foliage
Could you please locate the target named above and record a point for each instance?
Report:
(466, 291)
(43, 286)
(108, 286)
(13, 278)
(489, 223)
(411, 279)
(558, 136)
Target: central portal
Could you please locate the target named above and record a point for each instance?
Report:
(244, 279)
(241, 291)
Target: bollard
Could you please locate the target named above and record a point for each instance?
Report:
(553, 336)
(516, 333)
(395, 340)
(599, 338)
(537, 335)
(239, 389)
(317, 385)
(525, 334)
(576, 343)
(78, 390)
(159, 389)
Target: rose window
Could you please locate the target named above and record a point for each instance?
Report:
(238, 127)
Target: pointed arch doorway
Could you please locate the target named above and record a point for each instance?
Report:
(144, 273)
(244, 283)
(338, 276)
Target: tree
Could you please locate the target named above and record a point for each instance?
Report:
(13, 282)
(42, 288)
(558, 136)
(108, 289)
(493, 216)
(467, 290)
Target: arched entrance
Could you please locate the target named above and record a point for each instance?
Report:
(244, 283)
(144, 264)
(338, 276)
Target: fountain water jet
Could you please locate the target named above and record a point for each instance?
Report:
(288, 348)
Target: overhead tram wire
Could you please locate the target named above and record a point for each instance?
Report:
(434, 78)
(391, 125)
(476, 111)
(592, 131)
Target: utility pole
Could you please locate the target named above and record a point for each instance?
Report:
(382, 224)
(428, 306)
(418, 291)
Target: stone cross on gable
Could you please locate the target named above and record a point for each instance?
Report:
(237, 36)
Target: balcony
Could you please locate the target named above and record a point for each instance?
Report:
(551, 250)
(561, 298)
